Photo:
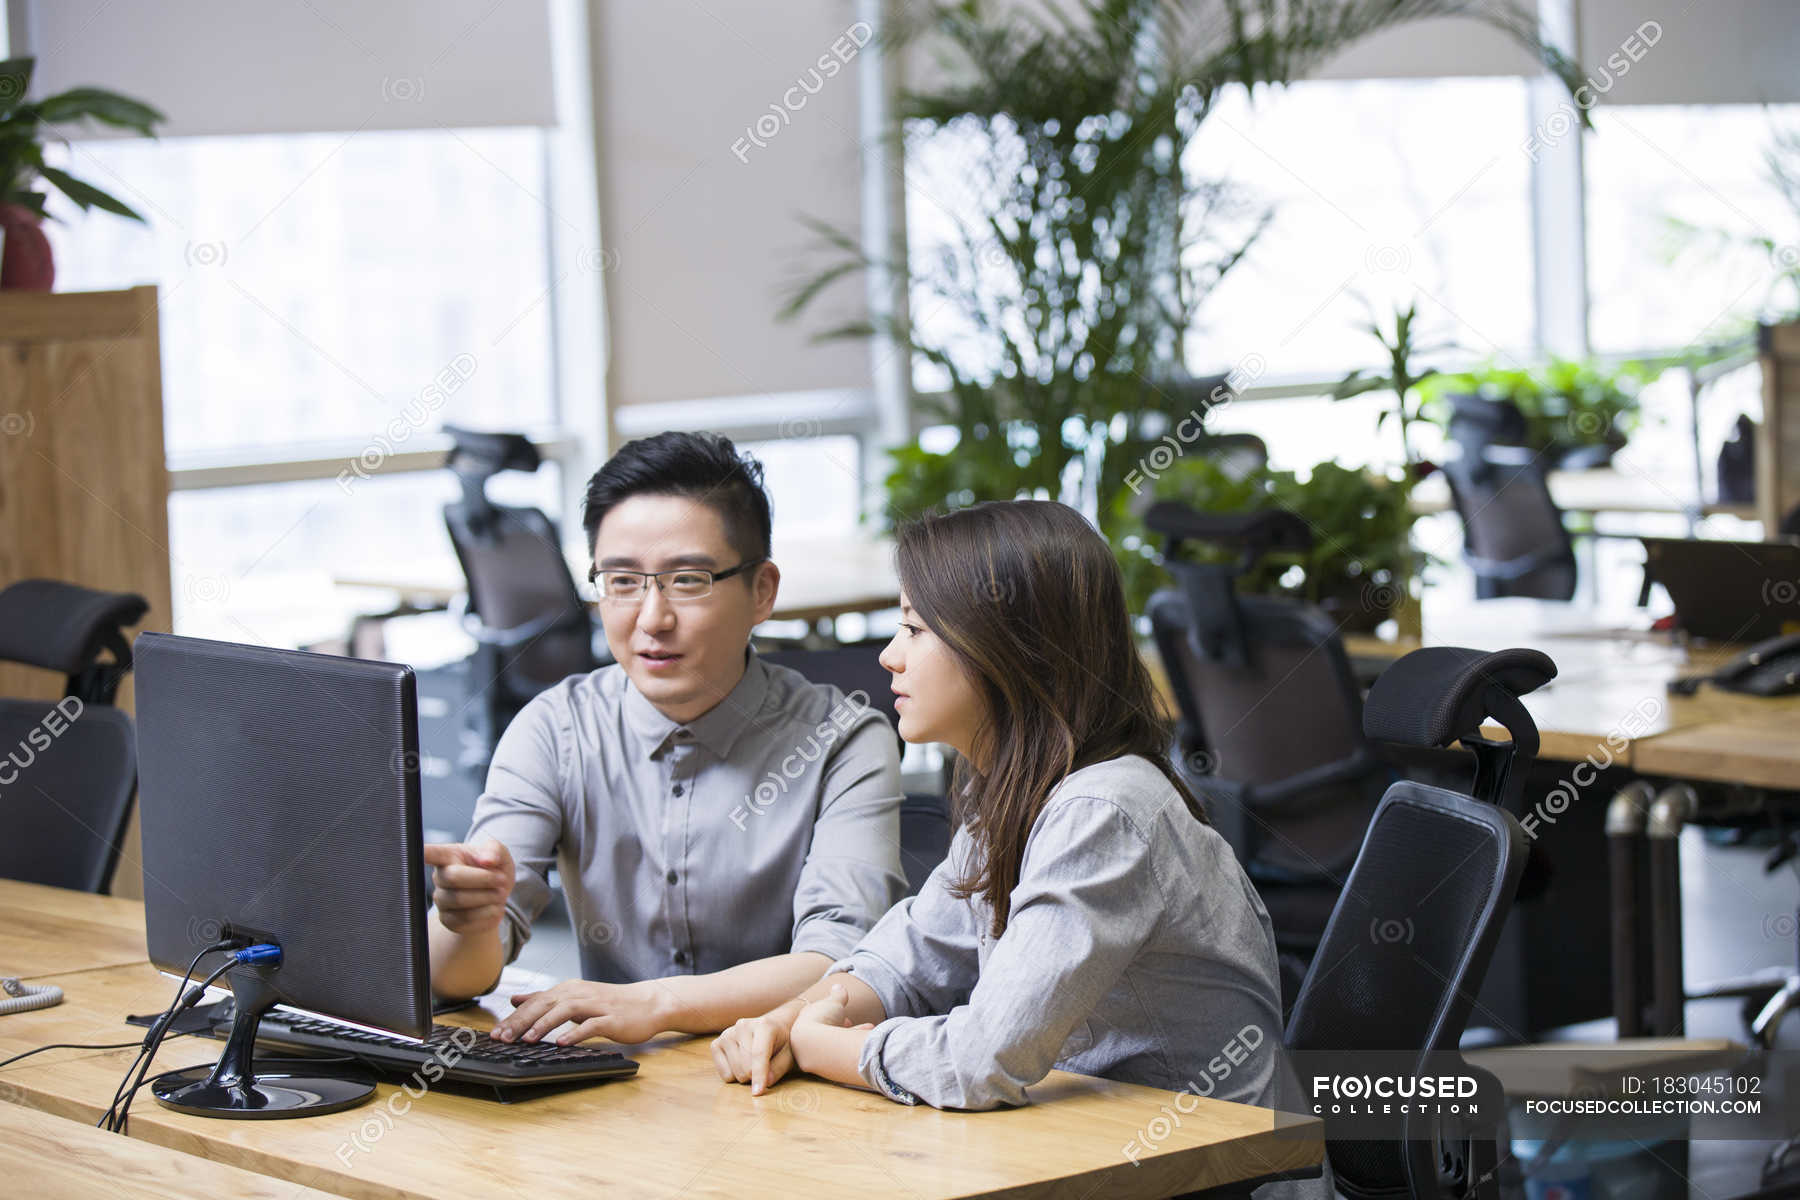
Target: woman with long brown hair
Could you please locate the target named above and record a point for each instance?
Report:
(1087, 917)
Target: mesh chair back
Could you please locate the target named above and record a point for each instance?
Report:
(1293, 706)
(1408, 945)
(516, 574)
(1512, 529)
(67, 786)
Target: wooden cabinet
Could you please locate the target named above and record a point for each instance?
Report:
(84, 488)
(1778, 437)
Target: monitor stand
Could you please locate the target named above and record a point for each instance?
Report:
(233, 1088)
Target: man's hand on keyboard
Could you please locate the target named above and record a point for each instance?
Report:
(627, 1013)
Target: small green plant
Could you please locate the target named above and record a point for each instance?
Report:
(1362, 554)
(1404, 374)
(22, 124)
(1566, 403)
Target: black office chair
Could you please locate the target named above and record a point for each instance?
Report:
(1270, 720)
(72, 764)
(925, 826)
(1410, 939)
(1513, 534)
(529, 622)
(1476, 421)
(1409, 942)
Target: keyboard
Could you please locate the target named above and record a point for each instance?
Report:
(464, 1055)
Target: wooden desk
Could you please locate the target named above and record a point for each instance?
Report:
(674, 1130)
(1602, 489)
(820, 577)
(1610, 699)
(51, 931)
(58, 1157)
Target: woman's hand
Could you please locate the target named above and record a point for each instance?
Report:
(833, 1008)
(818, 1042)
(755, 1050)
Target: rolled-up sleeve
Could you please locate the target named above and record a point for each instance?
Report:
(852, 873)
(923, 956)
(1086, 903)
(522, 808)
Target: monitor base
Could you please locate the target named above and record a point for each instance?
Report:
(233, 1089)
(271, 1095)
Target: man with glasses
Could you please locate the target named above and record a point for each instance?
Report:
(724, 829)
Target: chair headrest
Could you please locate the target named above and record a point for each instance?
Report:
(1434, 696)
(483, 453)
(1264, 529)
(63, 626)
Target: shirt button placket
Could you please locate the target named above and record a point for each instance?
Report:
(677, 827)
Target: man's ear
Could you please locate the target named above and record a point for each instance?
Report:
(764, 589)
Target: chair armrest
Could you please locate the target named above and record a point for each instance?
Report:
(1300, 791)
(518, 635)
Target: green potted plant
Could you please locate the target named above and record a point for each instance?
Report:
(25, 259)
(1362, 558)
(1577, 414)
(1074, 281)
(1405, 378)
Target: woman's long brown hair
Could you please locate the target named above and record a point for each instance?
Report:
(1027, 596)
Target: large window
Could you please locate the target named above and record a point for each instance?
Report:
(1382, 191)
(313, 286)
(325, 294)
(1674, 197)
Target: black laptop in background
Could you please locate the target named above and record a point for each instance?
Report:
(1728, 591)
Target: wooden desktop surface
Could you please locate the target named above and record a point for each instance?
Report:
(59, 1157)
(674, 1130)
(49, 931)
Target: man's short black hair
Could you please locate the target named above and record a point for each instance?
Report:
(704, 467)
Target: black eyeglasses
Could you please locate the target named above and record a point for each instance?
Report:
(681, 583)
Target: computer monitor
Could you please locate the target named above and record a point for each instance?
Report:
(1728, 591)
(279, 795)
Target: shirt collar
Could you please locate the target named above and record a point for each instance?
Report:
(717, 729)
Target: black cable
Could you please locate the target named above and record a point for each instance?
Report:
(7, 1062)
(107, 1119)
(183, 1002)
(162, 1024)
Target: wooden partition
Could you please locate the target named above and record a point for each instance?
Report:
(84, 489)
(1778, 437)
